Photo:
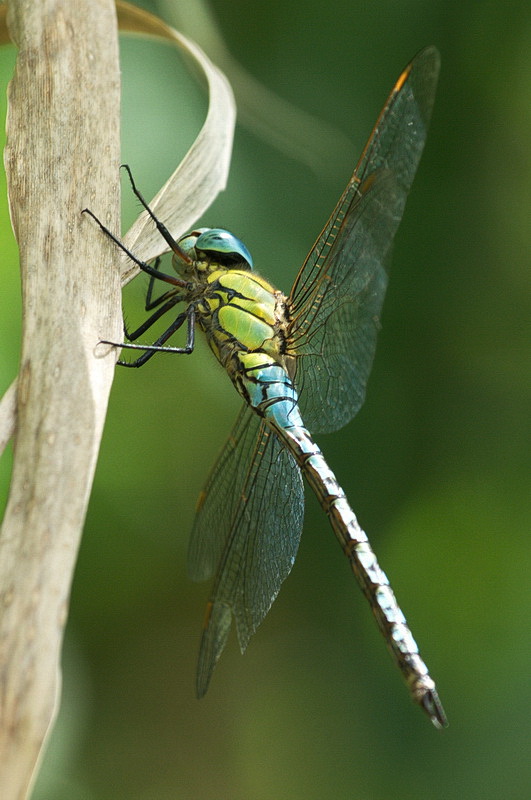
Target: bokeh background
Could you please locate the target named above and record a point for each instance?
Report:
(436, 464)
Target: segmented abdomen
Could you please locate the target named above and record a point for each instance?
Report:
(244, 319)
(363, 561)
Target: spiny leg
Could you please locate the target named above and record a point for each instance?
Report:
(162, 276)
(131, 337)
(150, 304)
(158, 345)
(162, 229)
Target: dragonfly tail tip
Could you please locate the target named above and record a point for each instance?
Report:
(433, 707)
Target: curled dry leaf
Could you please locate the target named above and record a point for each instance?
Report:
(191, 188)
(7, 415)
(297, 134)
(63, 108)
(203, 171)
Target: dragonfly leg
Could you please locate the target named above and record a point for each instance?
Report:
(162, 229)
(158, 345)
(161, 276)
(174, 299)
(150, 304)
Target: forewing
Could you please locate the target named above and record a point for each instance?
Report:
(247, 531)
(336, 300)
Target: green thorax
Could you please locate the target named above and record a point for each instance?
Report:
(244, 319)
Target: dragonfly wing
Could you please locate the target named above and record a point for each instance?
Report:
(336, 300)
(218, 502)
(247, 531)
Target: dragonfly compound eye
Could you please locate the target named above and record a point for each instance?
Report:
(188, 242)
(224, 248)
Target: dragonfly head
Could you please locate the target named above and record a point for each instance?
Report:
(212, 247)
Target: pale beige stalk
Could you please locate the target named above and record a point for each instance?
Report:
(62, 155)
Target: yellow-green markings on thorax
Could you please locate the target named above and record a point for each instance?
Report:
(240, 315)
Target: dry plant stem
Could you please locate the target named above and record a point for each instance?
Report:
(8, 412)
(62, 155)
(204, 170)
(193, 185)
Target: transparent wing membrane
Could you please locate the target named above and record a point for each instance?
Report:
(247, 530)
(249, 517)
(337, 297)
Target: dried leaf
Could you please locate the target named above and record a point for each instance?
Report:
(192, 187)
(7, 415)
(64, 108)
(71, 294)
(204, 169)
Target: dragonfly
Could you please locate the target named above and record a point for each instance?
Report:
(301, 363)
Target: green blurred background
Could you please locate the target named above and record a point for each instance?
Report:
(436, 464)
